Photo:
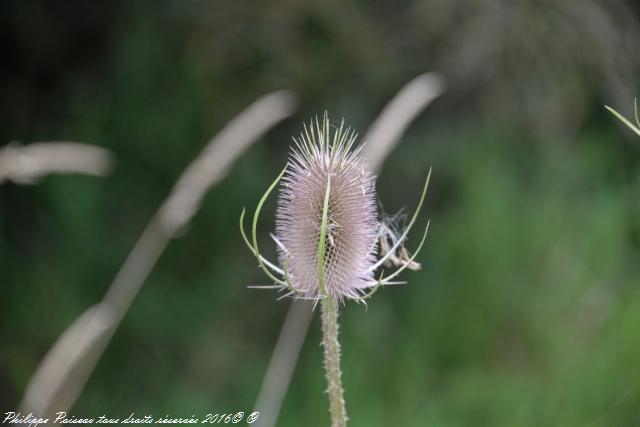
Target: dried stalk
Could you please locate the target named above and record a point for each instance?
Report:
(26, 164)
(64, 371)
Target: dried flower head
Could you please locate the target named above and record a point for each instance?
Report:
(327, 228)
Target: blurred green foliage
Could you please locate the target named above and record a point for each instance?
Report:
(527, 309)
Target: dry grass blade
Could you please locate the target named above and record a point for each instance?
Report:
(283, 362)
(213, 163)
(25, 164)
(381, 138)
(65, 361)
(383, 135)
(64, 371)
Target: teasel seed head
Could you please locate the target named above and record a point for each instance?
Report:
(324, 158)
(327, 227)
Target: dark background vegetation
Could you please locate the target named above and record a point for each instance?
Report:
(527, 310)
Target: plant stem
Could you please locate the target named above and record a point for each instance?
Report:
(332, 362)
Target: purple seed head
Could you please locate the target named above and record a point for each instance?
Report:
(325, 156)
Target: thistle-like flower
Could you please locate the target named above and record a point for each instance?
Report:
(327, 233)
(327, 227)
